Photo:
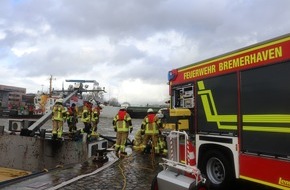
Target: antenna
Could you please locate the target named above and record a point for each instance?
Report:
(50, 85)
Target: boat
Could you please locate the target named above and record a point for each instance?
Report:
(141, 111)
(32, 142)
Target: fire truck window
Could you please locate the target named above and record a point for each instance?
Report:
(183, 96)
(177, 98)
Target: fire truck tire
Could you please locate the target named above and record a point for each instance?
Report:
(218, 169)
(154, 184)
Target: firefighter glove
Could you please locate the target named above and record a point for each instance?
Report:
(142, 132)
(131, 130)
(115, 129)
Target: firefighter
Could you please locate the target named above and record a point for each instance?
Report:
(72, 118)
(150, 128)
(95, 118)
(122, 125)
(58, 116)
(161, 138)
(138, 139)
(86, 117)
(162, 145)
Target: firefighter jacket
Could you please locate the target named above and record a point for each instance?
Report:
(86, 115)
(151, 124)
(72, 115)
(58, 112)
(95, 115)
(122, 122)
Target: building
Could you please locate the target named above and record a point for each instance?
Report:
(11, 96)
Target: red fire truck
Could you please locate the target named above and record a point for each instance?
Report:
(239, 113)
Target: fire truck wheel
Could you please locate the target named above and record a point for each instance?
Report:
(218, 170)
(154, 184)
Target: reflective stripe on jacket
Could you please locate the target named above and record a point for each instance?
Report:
(122, 121)
(86, 115)
(58, 112)
(95, 115)
(151, 124)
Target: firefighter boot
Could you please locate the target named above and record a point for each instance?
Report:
(123, 154)
(54, 136)
(117, 152)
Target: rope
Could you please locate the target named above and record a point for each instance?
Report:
(122, 170)
(123, 174)
(121, 167)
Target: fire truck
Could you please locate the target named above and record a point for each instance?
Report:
(236, 106)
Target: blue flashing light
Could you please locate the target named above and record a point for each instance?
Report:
(171, 75)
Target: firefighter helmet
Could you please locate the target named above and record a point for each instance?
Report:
(101, 106)
(123, 107)
(59, 101)
(160, 114)
(150, 110)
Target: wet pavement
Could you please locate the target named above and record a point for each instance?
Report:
(131, 172)
(134, 171)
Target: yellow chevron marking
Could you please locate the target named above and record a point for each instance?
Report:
(213, 116)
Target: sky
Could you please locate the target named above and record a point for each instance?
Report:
(128, 46)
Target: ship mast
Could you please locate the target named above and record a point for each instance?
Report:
(50, 85)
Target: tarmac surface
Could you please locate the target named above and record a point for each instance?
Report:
(134, 171)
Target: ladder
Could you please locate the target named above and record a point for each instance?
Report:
(174, 161)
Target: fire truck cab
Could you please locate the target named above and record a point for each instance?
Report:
(237, 108)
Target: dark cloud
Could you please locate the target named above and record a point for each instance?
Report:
(128, 40)
(125, 54)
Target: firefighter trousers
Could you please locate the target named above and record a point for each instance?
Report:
(121, 141)
(154, 138)
(57, 127)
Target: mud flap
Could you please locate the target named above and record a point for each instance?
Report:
(167, 179)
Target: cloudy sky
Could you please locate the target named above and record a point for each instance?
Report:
(128, 46)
